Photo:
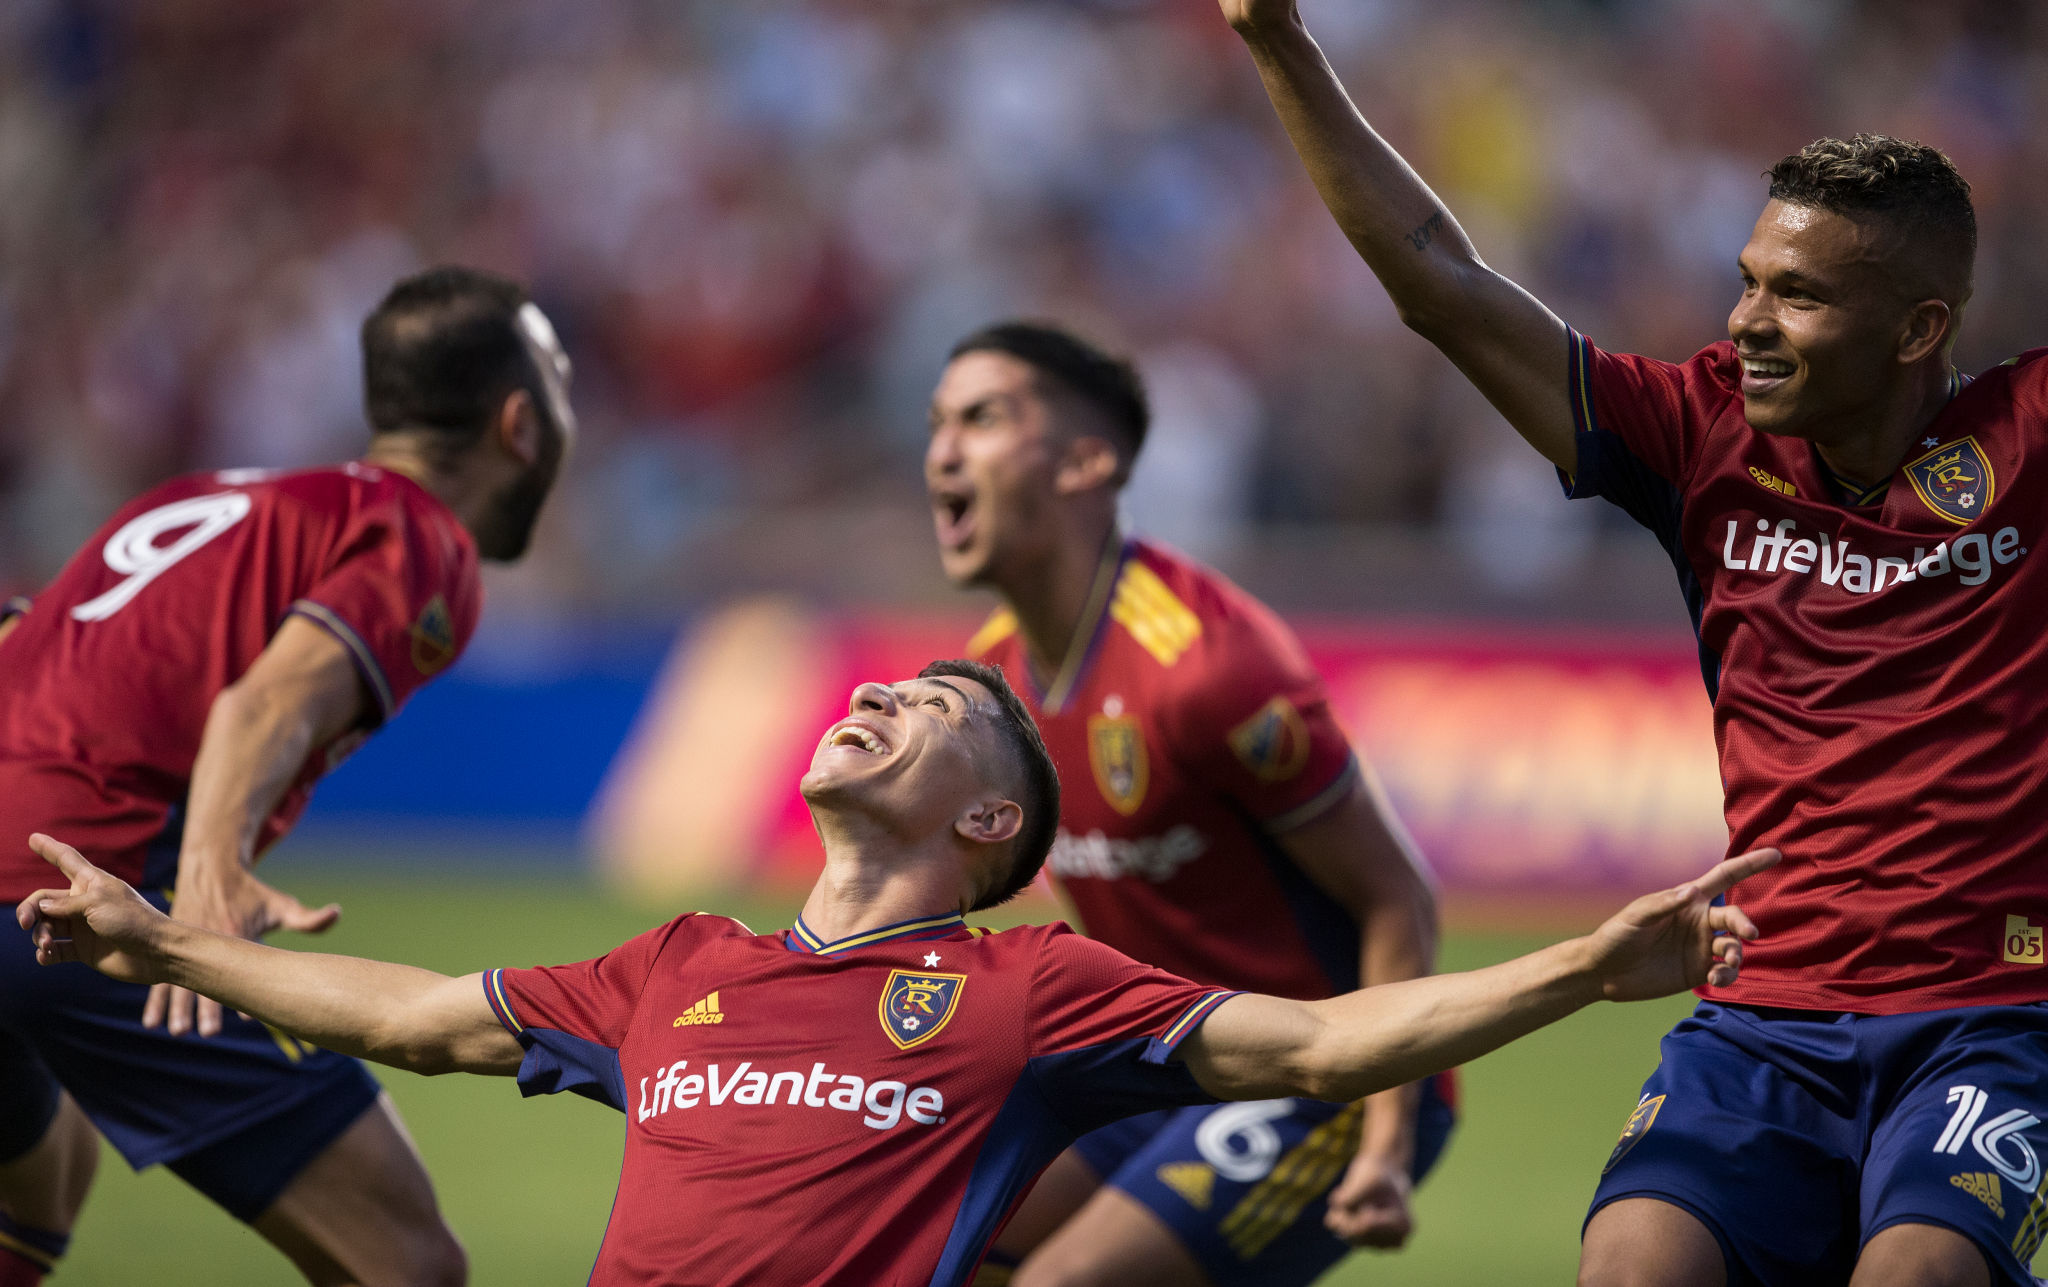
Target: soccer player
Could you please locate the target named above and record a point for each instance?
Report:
(1851, 520)
(1215, 824)
(168, 703)
(862, 1098)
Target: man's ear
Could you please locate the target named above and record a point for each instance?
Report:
(1088, 462)
(1928, 327)
(518, 428)
(990, 822)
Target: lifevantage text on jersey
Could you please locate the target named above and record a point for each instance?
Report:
(1782, 549)
(886, 1102)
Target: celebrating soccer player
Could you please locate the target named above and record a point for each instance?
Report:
(168, 704)
(1215, 824)
(864, 1097)
(1851, 520)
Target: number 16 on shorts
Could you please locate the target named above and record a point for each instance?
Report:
(1997, 1139)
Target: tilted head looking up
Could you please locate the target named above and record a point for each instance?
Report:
(952, 751)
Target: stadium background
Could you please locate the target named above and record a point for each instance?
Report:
(757, 227)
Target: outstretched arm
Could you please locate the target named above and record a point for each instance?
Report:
(1505, 341)
(1259, 1047)
(393, 1014)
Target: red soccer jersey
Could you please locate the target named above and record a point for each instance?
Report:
(1189, 729)
(106, 682)
(1879, 675)
(865, 1112)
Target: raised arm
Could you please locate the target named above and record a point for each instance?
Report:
(393, 1014)
(1505, 341)
(301, 693)
(1348, 1047)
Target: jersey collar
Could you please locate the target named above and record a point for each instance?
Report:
(1850, 492)
(801, 939)
(1854, 495)
(1088, 630)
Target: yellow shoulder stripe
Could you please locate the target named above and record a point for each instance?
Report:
(1000, 626)
(1153, 614)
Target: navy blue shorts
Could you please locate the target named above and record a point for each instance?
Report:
(1797, 1136)
(237, 1116)
(1244, 1186)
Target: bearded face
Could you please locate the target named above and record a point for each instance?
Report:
(507, 528)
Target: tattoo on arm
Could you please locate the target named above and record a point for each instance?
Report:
(1427, 231)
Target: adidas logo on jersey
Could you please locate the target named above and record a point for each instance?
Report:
(882, 1104)
(1983, 1186)
(705, 1011)
(1782, 549)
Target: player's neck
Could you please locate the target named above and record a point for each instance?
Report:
(1868, 451)
(863, 888)
(456, 483)
(1052, 596)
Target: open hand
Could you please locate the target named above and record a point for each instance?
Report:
(99, 920)
(1370, 1207)
(237, 904)
(1678, 939)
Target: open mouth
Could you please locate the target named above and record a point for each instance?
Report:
(1763, 374)
(859, 737)
(953, 514)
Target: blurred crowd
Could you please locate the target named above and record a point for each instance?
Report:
(758, 226)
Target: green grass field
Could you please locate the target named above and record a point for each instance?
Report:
(527, 1184)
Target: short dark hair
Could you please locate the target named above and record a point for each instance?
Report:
(1041, 804)
(1106, 380)
(1912, 184)
(442, 352)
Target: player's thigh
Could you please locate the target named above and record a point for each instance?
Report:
(1963, 1147)
(43, 1184)
(48, 1151)
(1748, 1127)
(363, 1211)
(1055, 1197)
(1644, 1242)
(1240, 1190)
(1922, 1255)
(1112, 1241)
(1071, 1180)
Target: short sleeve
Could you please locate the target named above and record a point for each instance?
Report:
(1104, 1030)
(400, 594)
(1257, 728)
(571, 1019)
(1640, 424)
(15, 607)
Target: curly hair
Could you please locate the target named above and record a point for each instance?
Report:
(1910, 184)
